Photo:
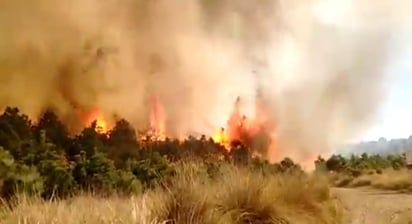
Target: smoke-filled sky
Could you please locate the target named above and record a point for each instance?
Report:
(394, 118)
(321, 65)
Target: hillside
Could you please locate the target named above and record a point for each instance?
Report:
(381, 146)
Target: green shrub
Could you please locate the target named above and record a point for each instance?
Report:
(127, 183)
(23, 180)
(151, 170)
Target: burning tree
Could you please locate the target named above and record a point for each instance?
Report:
(256, 133)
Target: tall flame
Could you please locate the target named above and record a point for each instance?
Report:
(247, 130)
(157, 119)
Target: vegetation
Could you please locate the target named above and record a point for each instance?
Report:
(170, 181)
(234, 195)
(382, 147)
(382, 172)
(358, 164)
(43, 159)
(194, 181)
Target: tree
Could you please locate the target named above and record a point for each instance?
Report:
(57, 173)
(17, 178)
(396, 162)
(150, 170)
(240, 153)
(266, 168)
(171, 149)
(89, 141)
(95, 173)
(336, 163)
(320, 164)
(15, 129)
(287, 165)
(6, 163)
(123, 133)
(101, 172)
(122, 143)
(56, 131)
(52, 165)
(127, 183)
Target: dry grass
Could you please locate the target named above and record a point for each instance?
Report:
(396, 180)
(81, 209)
(393, 180)
(237, 196)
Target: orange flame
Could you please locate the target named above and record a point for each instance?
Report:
(222, 138)
(101, 124)
(157, 118)
(243, 129)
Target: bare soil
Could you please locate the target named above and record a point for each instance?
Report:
(368, 206)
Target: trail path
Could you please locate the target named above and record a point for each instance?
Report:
(366, 206)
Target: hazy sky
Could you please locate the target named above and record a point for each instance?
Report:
(395, 118)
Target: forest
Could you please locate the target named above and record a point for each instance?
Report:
(44, 159)
(44, 167)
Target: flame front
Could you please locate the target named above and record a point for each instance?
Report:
(101, 124)
(258, 132)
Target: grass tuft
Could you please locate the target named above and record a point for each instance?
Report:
(234, 196)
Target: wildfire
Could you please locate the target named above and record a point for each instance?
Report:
(101, 124)
(157, 120)
(222, 138)
(257, 132)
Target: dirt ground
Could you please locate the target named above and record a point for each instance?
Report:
(366, 206)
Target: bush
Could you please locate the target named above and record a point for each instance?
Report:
(361, 182)
(184, 200)
(343, 181)
(23, 180)
(16, 178)
(151, 170)
(239, 195)
(127, 183)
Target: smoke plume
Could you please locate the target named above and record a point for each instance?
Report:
(319, 64)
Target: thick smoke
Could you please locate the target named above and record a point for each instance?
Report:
(330, 71)
(318, 63)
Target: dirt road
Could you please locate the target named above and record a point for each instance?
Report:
(366, 206)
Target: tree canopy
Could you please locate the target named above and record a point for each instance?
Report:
(42, 158)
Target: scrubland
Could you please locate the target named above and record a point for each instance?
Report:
(232, 195)
(394, 180)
